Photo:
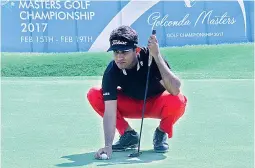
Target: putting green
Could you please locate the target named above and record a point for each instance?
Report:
(48, 123)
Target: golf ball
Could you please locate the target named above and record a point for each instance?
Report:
(104, 156)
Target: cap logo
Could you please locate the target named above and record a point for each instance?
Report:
(118, 42)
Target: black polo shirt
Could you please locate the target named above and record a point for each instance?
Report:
(132, 81)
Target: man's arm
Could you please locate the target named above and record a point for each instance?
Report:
(109, 121)
(169, 80)
(109, 87)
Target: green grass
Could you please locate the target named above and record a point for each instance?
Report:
(48, 123)
(228, 61)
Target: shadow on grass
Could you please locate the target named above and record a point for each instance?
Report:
(84, 159)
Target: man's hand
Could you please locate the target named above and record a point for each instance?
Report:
(107, 150)
(153, 46)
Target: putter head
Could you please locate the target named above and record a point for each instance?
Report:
(135, 154)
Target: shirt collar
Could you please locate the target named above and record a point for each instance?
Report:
(138, 67)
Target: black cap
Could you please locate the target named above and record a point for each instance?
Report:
(121, 44)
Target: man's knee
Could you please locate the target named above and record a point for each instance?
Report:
(94, 93)
(174, 108)
(178, 100)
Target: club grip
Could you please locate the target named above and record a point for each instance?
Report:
(150, 57)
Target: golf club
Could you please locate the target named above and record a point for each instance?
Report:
(138, 153)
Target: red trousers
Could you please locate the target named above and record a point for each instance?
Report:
(164, 106)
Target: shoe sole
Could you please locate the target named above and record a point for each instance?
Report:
(160, 151)
(132, 147)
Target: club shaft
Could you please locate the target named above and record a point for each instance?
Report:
(144, 105)
(145, 96)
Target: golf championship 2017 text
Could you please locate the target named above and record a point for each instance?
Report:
(32, 13)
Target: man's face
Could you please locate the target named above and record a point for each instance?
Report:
(124, 59)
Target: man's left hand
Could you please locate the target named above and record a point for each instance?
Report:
(153, 46)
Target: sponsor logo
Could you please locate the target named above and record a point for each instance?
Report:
(189, 3)
(106, 94)
(118, 42)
